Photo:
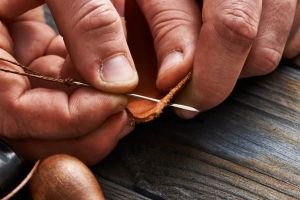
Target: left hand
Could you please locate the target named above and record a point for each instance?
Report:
(39, 118)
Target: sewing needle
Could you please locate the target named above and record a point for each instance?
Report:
(171, 104)
(148, 98)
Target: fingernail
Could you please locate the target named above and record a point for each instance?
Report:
(127, 129)
(116, 69)
(171, 60)
(188, 114)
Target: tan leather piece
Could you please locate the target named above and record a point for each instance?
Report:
(144, 111)
(141, 46)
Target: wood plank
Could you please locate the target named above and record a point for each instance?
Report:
(113, 191)
(246, 148)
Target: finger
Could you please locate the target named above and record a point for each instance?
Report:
(10, 9)
(90, 148)
(6, 42)
(175, 28)
(31, 39)
(226, 35)
(120, 7)
(50, 66)
(96, 42)
(292, 47)
(57, 47)
(51, 114)
(274, 28)
(55, 67)
(36, 14)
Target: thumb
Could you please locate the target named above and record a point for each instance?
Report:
(96, 42)
(175, 27)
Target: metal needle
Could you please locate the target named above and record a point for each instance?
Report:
(148, 98)
(171, 104)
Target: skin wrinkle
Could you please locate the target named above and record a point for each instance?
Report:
(81, 11)
(111, 40)
(77, 118)
(236, 18)
(238, 48)
(163, 23)
(75, 12)
(90, 21)
(239, 11)
(162, 17)
(273, 58)
(163, 33)
(73, 120)
(239, 26)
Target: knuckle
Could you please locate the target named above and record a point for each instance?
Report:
(238, 26)
(97, 16)
(166, 21)
(265, 62)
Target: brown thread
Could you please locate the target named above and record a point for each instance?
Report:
(32, 73)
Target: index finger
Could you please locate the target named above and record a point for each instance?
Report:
(228, 30)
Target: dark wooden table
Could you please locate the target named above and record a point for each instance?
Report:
(246, 148)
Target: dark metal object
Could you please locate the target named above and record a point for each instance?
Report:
(12, 169)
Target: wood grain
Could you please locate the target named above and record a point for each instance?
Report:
(114, 191)
(246, 148)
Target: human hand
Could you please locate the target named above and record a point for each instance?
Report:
(39, 119)
(237, 39)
